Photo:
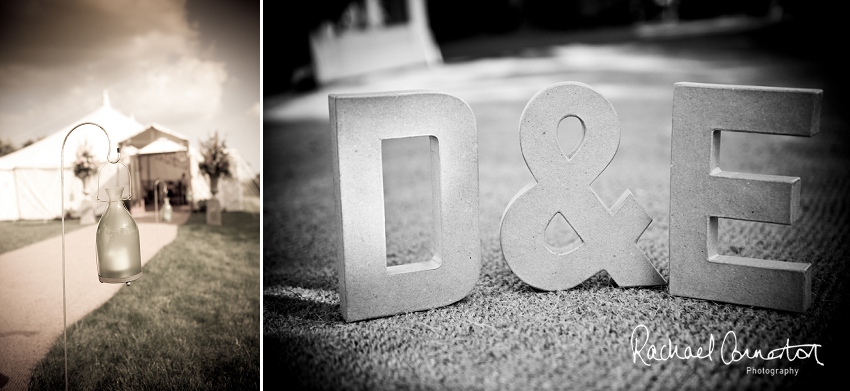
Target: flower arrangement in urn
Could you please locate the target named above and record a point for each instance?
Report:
(216, 161)
(84, 166)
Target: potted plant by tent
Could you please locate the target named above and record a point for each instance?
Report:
(215, 164)
(84, 168)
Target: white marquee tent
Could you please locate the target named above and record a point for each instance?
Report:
(30, 177)
(169, 156)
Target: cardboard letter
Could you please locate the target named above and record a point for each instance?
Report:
(563, 186)
(700, 193)
(367, 287)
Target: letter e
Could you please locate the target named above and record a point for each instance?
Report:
(700, 193)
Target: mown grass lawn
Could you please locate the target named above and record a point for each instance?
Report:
(192, 322)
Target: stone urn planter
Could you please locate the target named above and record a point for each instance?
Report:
(213, 206)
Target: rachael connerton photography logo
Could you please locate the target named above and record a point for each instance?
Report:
(772, 371)
(728, 353)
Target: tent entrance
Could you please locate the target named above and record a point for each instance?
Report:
(172, 169)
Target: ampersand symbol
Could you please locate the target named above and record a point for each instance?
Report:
(563, 186)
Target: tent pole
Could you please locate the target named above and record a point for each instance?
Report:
(17, 195)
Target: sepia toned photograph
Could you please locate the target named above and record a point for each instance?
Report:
(130, 210)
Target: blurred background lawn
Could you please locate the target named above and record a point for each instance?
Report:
(17, 234)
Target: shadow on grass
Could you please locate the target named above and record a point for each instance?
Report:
(303, 309)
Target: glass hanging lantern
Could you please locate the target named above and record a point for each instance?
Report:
(118, 248)
(119, 257)
(189, 200)
(166, 209)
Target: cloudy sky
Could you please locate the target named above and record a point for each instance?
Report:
(190, 65)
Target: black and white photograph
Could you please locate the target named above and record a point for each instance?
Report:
(555, 195)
